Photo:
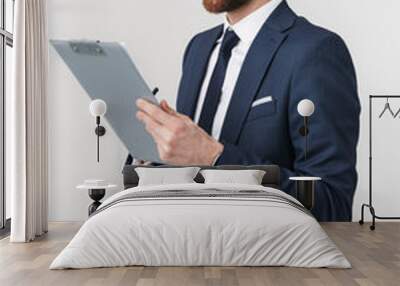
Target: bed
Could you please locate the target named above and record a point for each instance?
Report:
(201, 224)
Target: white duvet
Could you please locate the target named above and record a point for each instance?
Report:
(202, 231)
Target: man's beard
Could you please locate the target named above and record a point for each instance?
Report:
(219, 6)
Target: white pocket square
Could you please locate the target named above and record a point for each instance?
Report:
(261, 101)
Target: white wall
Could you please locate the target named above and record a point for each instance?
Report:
(156, 33)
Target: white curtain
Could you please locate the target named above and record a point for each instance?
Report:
(28, 122)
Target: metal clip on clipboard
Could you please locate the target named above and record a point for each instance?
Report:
(87, 48)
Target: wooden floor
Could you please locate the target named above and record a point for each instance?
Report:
(375, 257)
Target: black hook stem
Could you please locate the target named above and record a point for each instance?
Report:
(306, 138)
(98, 139)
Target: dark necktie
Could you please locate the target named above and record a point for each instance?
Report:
(214, 90)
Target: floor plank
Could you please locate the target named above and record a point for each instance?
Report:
(375, 257)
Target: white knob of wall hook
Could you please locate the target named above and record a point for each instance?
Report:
(306, 108)
(98, 107)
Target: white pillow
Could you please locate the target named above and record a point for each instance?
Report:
(166, 176)
(246, 177)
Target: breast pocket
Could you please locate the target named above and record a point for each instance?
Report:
(262, 107)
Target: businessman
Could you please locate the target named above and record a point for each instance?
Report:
(238, 97)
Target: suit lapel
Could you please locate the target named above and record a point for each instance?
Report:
(197, 69)
(254, 69)
(251, 75)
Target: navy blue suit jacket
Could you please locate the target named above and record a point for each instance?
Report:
(290, 60)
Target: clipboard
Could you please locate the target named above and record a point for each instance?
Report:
(106, 71)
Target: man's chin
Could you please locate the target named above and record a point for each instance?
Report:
(219, 6)
(214, 6)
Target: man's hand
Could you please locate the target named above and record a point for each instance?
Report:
(179, 140)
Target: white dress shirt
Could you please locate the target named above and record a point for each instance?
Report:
(247, 30)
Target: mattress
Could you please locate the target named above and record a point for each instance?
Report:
(201, 225)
